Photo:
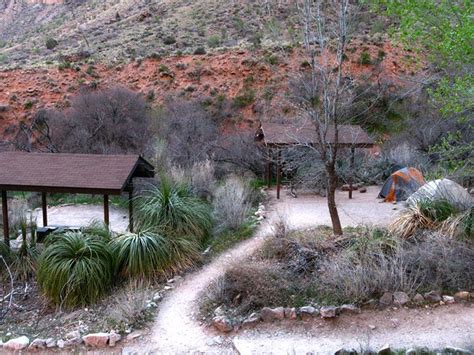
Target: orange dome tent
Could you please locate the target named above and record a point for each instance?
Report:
(401, 184)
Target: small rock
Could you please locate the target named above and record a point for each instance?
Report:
(60, 344)
(4, 107)
(384, 350)
(252, 320)
(308, 312)
(418, 298)
(156, 297)
(222, 324)
(400, 298)
(134, 335)
(448, 299)
(50, 343)
(37, 344)
(114, 338)
(328, 312)
(96, 340)
(432, 296)
(290, 313)
(73, 342)
(272, 314)
(363, 190)
(462, 295)
(386, 299)
(372, 327)
(349, 308)
(17, 344)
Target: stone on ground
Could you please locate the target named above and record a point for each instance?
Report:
(349, 308)
(400, 298)
(328, 312)
(418, 298)
(222, 324)
(432, 296)
(386, 299)
(308, 312)
(272, 314)
(17, 344)
(96, 340)
(252, 320)
(114, 338)
(462, 295)
(38, 344)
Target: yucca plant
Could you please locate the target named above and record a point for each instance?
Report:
(437, 210)
(75, 269)
(409, 221)
(171, 208)
(147, 254)
(460, 226)
(99, 229)
(141, 254)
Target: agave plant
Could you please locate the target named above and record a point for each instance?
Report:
(170, 207)
(75, 269)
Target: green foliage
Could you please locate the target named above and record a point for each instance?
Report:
(140, 255)
(365, 58)
(51, 43)
(169, 40)
(245, 98)
(170, 208)
(272, 59)
(200, 51)
(214, 41)
(437, 210)
(163, 69)
(75, 269)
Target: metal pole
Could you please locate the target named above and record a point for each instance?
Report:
(6, 228)
(45, 209)
(106, 210)
(352, 172)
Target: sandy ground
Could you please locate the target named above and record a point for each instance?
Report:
(176, 329)
(308, 210)
(82, 215)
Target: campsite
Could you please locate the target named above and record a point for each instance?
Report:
(236, 177)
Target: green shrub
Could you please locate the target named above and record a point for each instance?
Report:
(365, 58)
(51, 43)
(214, 41)
(200, 51)
(169, 40)
(75, 269)
(437, 210)
(140, 255)
(272, 59)
(163, 69)
(246, 98)
(170, 208)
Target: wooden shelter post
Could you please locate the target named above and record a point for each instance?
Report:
(352, 171)
(44, 206)
(278, 173)
(130, 209)
(106, 210)
(6, 228)
(269, 168)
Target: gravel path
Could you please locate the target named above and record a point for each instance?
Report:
(176, 329)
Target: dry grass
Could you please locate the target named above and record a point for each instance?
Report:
(409, 221)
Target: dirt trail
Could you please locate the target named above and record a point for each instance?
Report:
(176, 329)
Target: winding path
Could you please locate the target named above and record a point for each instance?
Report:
(176, 329)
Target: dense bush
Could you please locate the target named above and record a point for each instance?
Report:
(171, 208)
(310, 267)
(75, 269)
(231, 204)
(51, 43)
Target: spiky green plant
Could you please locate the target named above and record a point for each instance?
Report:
(75, 269)
(437, 210)
(140, 254)
(170, 208)
(147, 254)
(99, 229)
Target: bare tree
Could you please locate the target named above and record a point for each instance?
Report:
(322, 94)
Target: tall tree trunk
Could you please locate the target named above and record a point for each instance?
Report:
(331, 191)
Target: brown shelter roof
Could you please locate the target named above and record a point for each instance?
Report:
(305, 133)
(73, 173)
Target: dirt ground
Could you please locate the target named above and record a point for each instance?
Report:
(82, 215)
(177, 329)
(308, 210)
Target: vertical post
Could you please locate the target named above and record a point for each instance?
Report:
(6, 228)
(106, 210)
(45, 209)
(130, 209)
(269, 167)
(352, 171)
(278, 174)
